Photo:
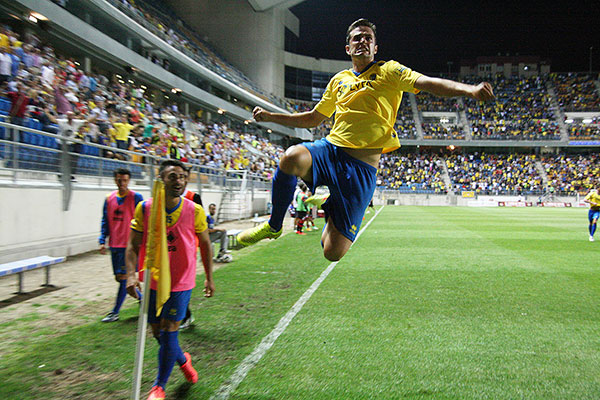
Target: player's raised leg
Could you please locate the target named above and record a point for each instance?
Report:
(335, 245)
(297, 161)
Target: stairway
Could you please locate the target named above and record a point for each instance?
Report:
(463, 120)
(559, 114)
(233, 206)
(445, 175)
(416, 115)
(540, 169)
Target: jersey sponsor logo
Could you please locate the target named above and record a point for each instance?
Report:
(344, 88)
(118, 215)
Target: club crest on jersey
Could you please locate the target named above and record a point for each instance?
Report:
(170, 237)
(118, 215)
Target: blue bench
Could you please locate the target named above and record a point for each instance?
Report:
(21, 266)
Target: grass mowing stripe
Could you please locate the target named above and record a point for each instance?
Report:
(249, 362)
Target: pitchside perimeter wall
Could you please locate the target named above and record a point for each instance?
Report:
(33, 223)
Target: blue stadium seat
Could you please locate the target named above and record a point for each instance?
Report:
(4, 105)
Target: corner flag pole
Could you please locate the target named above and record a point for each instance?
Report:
(141, 339)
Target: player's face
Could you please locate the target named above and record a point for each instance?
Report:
(175, 179)
(212, 209)
(362, 43)
(122, 182)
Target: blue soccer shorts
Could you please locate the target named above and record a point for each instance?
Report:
(351, 184)
(174, 309)
(117, 254)
(593, 214)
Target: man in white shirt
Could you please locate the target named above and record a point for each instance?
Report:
(5, 65)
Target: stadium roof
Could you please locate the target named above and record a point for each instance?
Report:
(263, 5)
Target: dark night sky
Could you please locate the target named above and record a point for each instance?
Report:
(425, 35)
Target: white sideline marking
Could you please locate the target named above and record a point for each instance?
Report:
(250, 361)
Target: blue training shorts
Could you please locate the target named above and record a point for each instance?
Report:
(117, 254)
(351, 184)
(593, 214)
(174, 309)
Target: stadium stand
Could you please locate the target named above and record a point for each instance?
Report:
(572, 174)
(524, 111)
(494, 174)
(410, 173)
(576, 92)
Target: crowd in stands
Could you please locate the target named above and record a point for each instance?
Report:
(571, 174)
(442, 131)
(516, 130)
(410, 173)
(581, 131)
(494, 174)
(41, 85)
(576, 92)
(429, 102)
(161, 20)
(405, 123)
(522, 111)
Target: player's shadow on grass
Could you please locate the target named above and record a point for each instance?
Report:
(131, 320)
(183, 391)
(21, 297)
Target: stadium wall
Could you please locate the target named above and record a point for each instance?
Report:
(316, 64)
(402, 199)
(252, 41)
(33, 223)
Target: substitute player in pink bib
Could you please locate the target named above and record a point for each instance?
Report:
(186, 229)
(117, 214)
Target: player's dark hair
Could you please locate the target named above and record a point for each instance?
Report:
(171, 163)
(212, 204)
(121, 171)
(357, 23)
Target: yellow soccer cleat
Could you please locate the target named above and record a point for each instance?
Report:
(258, 233)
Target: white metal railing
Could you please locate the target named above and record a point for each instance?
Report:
(28, 154)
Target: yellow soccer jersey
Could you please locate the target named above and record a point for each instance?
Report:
(594, 198)
(137, 223)
(366, 105)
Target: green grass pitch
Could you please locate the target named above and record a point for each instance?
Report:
(430, 303)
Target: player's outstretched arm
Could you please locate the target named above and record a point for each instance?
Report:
(448, 88)
(207, 255)
(131, 259)
(307, 119)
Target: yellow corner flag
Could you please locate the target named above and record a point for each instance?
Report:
(157, 252)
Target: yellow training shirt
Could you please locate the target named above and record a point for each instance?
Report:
(137, 223)
(593, 197)
(366, 105)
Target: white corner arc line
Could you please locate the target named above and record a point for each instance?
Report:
(251, 360)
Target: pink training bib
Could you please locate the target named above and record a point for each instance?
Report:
(119, 218)
(182, 245)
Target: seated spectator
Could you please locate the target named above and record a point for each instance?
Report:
(219, 235)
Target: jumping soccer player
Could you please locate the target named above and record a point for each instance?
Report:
(593, 199)
(118, 210)
(365, 100)
(186, 228)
